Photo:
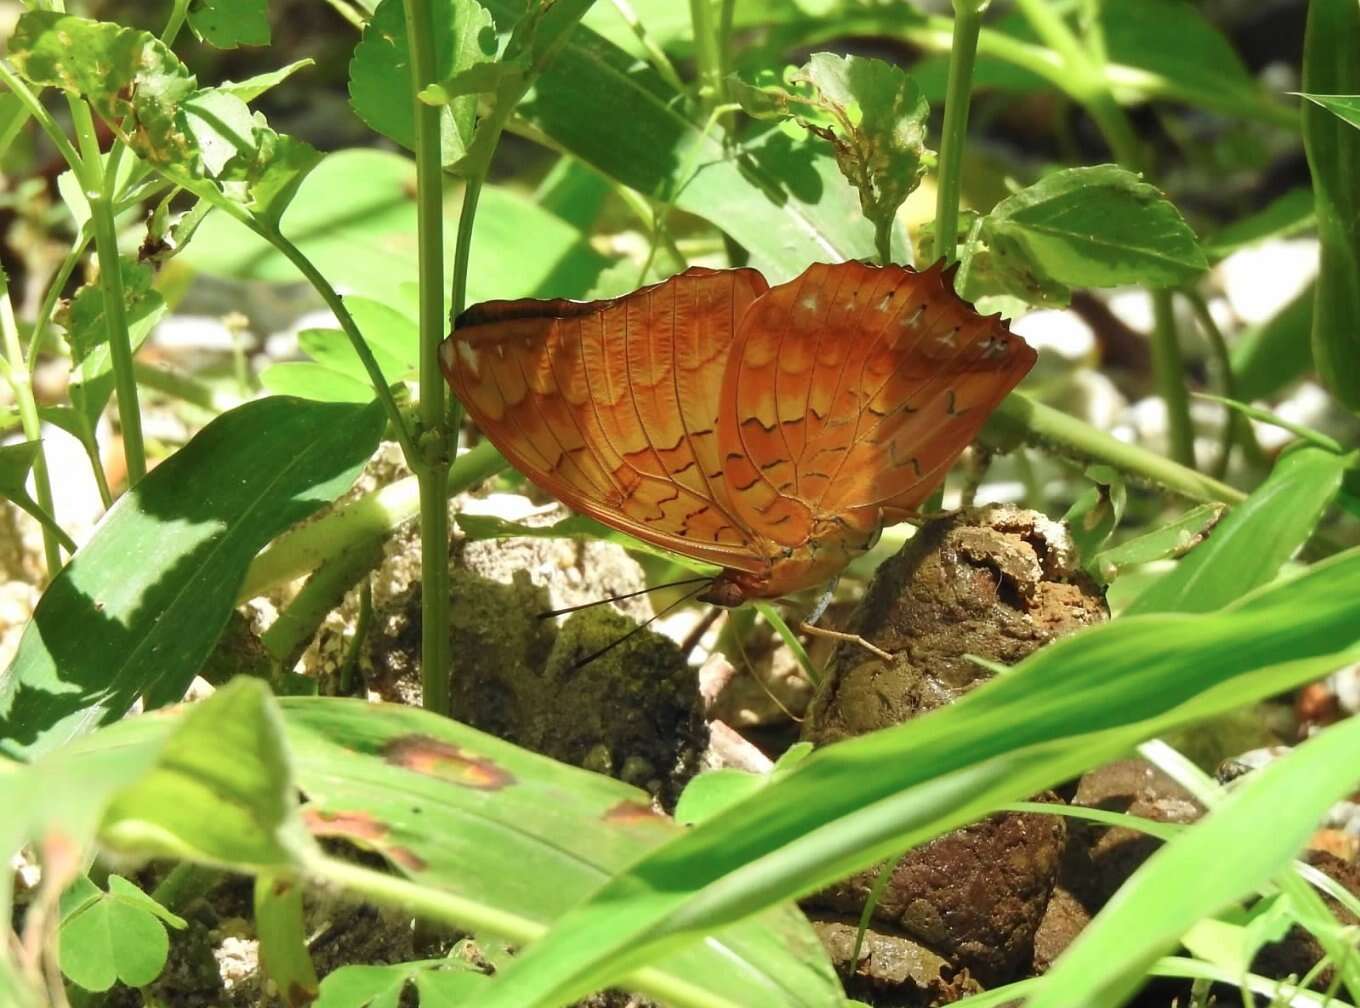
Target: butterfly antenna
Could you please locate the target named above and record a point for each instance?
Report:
(637, 629)
(619, 598)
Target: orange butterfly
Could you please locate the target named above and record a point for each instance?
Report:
(773, 431)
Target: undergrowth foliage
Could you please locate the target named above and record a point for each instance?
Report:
(685, 130)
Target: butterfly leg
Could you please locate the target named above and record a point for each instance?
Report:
(850, 638)
(822, 602)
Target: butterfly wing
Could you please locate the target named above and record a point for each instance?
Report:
(612, 406)
(852, 388)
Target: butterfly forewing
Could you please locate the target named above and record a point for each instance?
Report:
(612, 405)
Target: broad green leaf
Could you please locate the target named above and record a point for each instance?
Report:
(317, 382)
(205, 140)
(1247, 548)
(1330, 43)
(1344, 107)
(573, 192)
(1170, 540)
(871, 113)
(393, 336)
(1096, 227)
(221, 790)
(709, 793)
(108, 938)
(355, 218)
(381, 986)
(139, 608)
(226, 24)
(464, 812)
(784, 201)
(332, 349)
(1174, 41)
(380, 72)
(1172, 890)
(85, 324)
(1074, 703)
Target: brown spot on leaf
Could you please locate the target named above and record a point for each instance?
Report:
(406, 858)
(449, 762)
(352, 825)
(631, 813)
(281, 886)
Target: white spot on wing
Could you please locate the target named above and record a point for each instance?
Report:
(468, 355)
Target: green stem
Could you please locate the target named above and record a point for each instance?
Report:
(1169, 370)
(39, 112)
(445, 907)
(21, 381)
(186, 389)
(708, 53)
(958, 95)
(1021, 420)
(431, 466)
(655, 54)
(95, 183)
(370, 518)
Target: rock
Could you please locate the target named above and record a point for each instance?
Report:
(891, 970)
(1096, 860)
(997, 582)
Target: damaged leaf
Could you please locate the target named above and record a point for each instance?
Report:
(204, 139)
(872, 114)
(1095, 514)
(226, 24)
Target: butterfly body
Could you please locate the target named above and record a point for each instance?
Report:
(772, 431)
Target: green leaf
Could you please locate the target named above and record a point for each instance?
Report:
(252, 87)
(282, 931)
(1079, 701)
(1248, 547)
(316, 382)
(784, 201)
(137, 611)
(441, 981)
(16, 462)
(379, 74)
(221, 791)
(87, 329)
(1172, 889)
(711, 792)
(871, 113)
(1173, 539)
(1285, 216)
(111, 938)
(1344, 107)
(463, 812)
(226, 24)
(1330, 67)
(1268, 357)
(204, 140)
(1096, 227)
(479, 78)
(355, 218)
(1095, 514)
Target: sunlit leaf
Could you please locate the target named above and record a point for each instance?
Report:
(1095, 227)
(226, 24)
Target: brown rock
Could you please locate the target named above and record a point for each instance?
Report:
(997, 582)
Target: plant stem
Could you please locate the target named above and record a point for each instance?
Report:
(1235, 427)
(1169, 369)
(445, 907)
(96, 185)
(21, 381)
(958, 95)
(1021, 420)
(431, 466)
(372, 517)
(1087, 84)
(708, 53)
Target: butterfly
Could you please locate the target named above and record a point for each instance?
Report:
(772, 431)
